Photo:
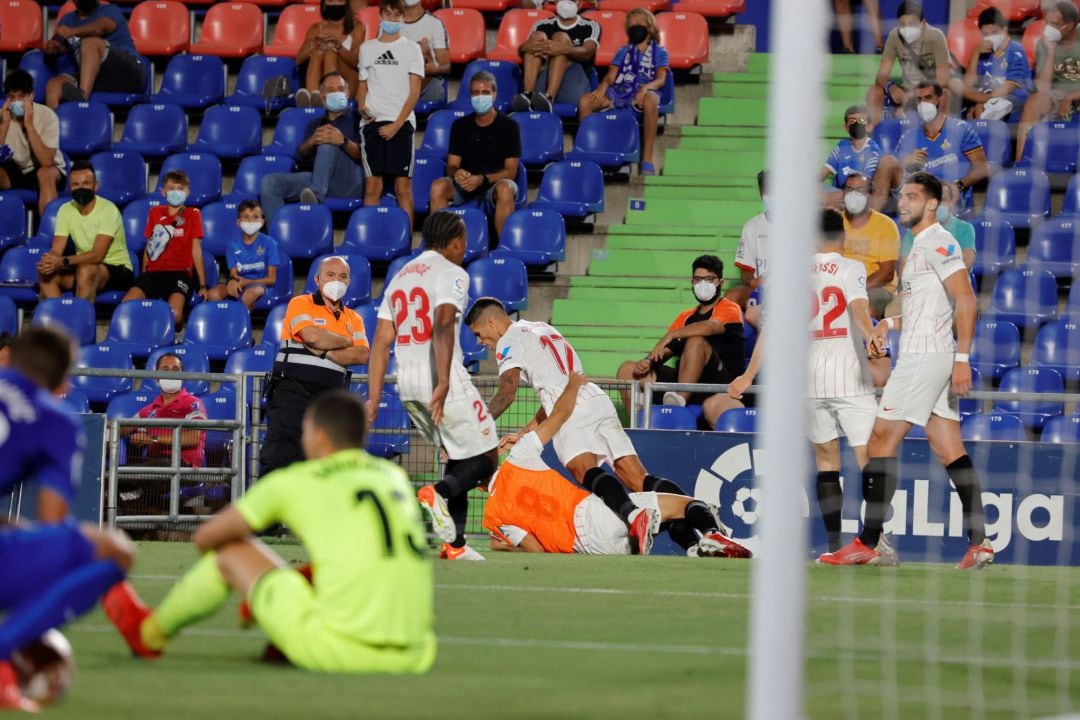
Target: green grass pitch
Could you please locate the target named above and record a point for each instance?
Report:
(588, 637)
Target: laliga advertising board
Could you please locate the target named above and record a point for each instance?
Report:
(1030, 490)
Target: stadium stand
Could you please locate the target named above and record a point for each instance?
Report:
(99, 390)
(995, 426)
(292, 25)
(535, 237)
(22, 22)
(160, 28)
(152, 130)
(476, 227)
(514, 31)
(121, 176)
(465, 28)
(1033, 414)
(231, 30)
(378, 233)
(194, 82)
(229, 131)
(12, 221)
(254, 74)
(138, 327)
(73, 315)
(218, 328)
(87, 127)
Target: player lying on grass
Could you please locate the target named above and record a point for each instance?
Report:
(370, 609)
(55, 570)
(533, 508)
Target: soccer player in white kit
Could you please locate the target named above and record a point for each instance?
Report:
(841, 390)
(931, 373)
(421, 315)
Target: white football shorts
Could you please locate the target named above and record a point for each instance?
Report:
(920, 386)
(600, 531)
(852, 415)
(594, 427)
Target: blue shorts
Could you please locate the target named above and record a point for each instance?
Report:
(32, 558)
(463, 198)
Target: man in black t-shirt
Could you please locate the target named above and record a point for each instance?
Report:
(557, 57)
(485, 149)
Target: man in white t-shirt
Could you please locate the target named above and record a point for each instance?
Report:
(420, 315)
(751, 258)
(391, 71)
(931, 373)
(430, 34)
(32, 132)
(840, 388)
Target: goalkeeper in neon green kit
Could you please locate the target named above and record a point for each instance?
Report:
(370, 609)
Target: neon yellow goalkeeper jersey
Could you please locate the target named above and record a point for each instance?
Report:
(359, 521)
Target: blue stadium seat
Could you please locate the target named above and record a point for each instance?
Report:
(504, 278)
(71, 314)
(219, 328)
(1051, 147)
(610, 139)
(282, 289)
(1072, 307)
(476, 229)
(85, 127)
(378, 233)
(1033, 414)
(124, 99)
(193, 359)
(666, 417)
(507, 78)
(204, 172)
(1025, 296)
(219, 227)
(1062, 430)
(535, 237)
(154, 130)
(389, 435)
(572, 189)
(112, 298)
(436, 141)
(213, 275)
(995, 348)
(541, 137)
(995, 246)
(12, 221)
(42, 69)
(18, 273)
(1020, 196)
(254, 73)
(121, 176)
(472, 352)
(258, 359)
(193, 82)
(425, 172)
(997, 144)
(141, 326)
(9, 316)
(1055, 246)
(1071, 202)
(289, 130)
(424, 108)
(359, 290)
(99, 390)
(969, 405)
(251, 172)
(397, 263)
(47, 225)
(1057, 346)
(738, 420)
(887, 133)
(135, 214)
(995, 426)
(271, 336)
(568, 111)
(667, 97)
(369, 313)
(76, 401)
(129, 404)
(229, 131)
(303, 231)
(220, 405)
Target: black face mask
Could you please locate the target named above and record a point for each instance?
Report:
(83, 196)
(637, 34)
(85, 7)
(857, 131)
(333, 12)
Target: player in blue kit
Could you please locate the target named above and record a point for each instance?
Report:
(252, 259)
(55, 570)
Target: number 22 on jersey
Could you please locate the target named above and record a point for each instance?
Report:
(412, 316)
(834, 304)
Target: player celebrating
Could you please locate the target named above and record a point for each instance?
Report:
(576, 520)
(53, 571)
(421, 315)
(840, 387)
(930, 374)
(370, 607)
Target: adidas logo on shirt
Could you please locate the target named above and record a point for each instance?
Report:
(387, 58)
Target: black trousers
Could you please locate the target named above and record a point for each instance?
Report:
(285, 415)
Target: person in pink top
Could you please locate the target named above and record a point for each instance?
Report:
(174, 403)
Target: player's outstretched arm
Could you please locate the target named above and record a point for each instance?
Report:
(738, 386)
(860, 314)
(563, 409)
(379, 360)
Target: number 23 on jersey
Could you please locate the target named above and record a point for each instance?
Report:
(412, 316)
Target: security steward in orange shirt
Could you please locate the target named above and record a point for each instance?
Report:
(320, 339)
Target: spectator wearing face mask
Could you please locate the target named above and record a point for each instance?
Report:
(331, 45)
(174, 403)
(923, 54)
(555, 57)
(31, 136)
(252, 259)
(997, 79)
(872, 239)
(430, 34)
(1057, 71)
(961, 229)
(857, 153)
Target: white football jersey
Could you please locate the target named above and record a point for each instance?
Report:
(927, 311)
(545, 358)
(838, 365)
(409, 302)
(751, 254)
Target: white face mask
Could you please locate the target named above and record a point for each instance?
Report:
(855, 202)
(911, 35)
(334, 290)
(927, 111)
(996, 41)
(704, 291)
(1052, 34)
(250, 228)
(412, 3)
(566, 9)
(170, 386)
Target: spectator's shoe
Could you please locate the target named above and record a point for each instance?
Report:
(316, 99)
(11, 697)
(70, 92)
(541, 103)
(449, 552)
(303, 98)
(435, 505)
(647, 169)
(674, 398)
(522, 102)
(644, 524)
(126, 612)
(977, 557)
(308, 197)
(716, 544)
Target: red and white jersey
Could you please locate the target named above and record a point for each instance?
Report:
(409, 302)
(927, 311)
(751, 255)
(838, 365)
(545, 359)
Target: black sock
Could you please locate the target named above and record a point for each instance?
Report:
(830, 497)
(879, 484)
(610, 490)
(461, 476)
(966, 481)
(687, 530)
(681, 532)
(699, 516)
(458, 506)
(654, 483)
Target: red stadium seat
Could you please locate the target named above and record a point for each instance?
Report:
(686, 37)
(514, 30)
(1014, 10)
(369, 16)
(231, 30)
(653, 6)
(1032, 33)
(963, 39)
(465, 27)
(487, 6)
(23, 25)
(270, 3)
(160, 27)
(291, 28)
(712, 8)
(612, 34)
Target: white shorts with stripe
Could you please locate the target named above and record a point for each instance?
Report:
(593, 427)
(852, 415)
(600, 531)
(920, 386)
